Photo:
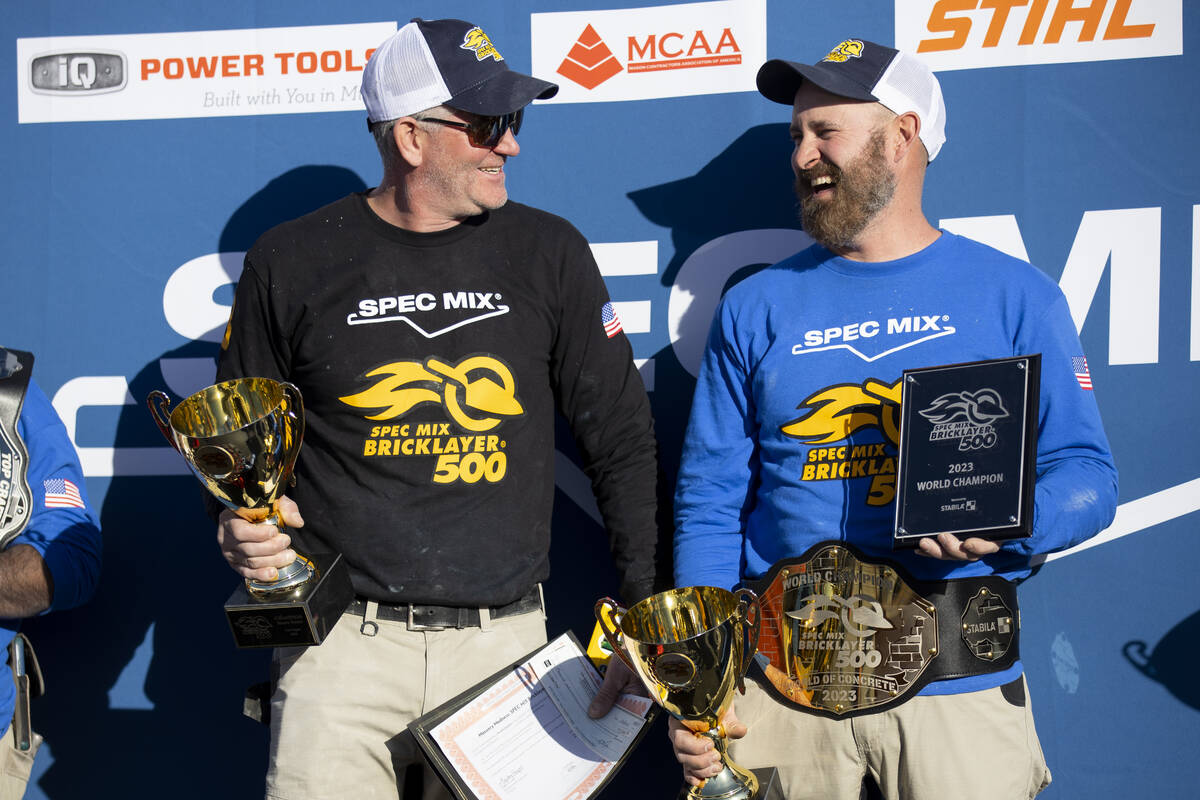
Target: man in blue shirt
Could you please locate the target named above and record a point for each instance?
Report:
(791, 455)
(50, 538)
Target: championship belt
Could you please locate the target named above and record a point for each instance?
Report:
(16, 501)
(843, 635)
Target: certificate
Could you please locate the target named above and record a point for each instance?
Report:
(525, 731)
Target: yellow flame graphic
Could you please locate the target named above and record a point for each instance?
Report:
(837, 412)
(393, 393)
(477, 392)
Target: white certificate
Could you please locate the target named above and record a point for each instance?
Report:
(529, 735)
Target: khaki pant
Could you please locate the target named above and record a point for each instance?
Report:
(973, 746)
(15, 765)
(340, 711)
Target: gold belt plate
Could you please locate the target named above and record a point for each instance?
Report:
(842, 634)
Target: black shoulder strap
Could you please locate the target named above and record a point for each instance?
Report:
(16, 367)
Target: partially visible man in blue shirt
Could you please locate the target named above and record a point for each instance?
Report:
(50, 538)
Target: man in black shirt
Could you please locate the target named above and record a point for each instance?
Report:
(434, 329)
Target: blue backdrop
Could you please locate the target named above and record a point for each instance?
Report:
(1071, 142)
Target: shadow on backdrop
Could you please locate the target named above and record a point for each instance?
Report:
(1172, 662)
(144, 683)
(734, 216)
(747, 187)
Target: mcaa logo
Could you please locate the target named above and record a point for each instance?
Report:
(960, 34)
(590, 62)
(645, 53)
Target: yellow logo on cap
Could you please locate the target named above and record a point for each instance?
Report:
(478, 41)
(851, 48)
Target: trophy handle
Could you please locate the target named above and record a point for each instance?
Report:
(295, 405)
(295, 410)
(750, 611)
(608, 614)
(159, 405)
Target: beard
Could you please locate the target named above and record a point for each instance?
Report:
(861, 190)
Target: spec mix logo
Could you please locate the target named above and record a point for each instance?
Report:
(965, 34)
(966, 416)
(644, 53)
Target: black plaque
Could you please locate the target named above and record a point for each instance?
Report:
(304, 619)
(968, 443)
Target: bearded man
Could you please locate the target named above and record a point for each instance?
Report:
(791, 453)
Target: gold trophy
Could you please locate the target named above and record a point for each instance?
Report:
(241, 439)
(691, 648)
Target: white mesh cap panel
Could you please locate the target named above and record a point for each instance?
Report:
(401, 77)
(908, 85)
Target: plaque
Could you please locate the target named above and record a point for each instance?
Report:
(968, 444)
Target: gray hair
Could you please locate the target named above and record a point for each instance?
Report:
(386, 142)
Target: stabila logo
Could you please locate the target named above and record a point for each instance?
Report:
(589, 62)
(851, 48)
(835, 414)
(966, 416)
(92, 72)
(479, 42)
(478, 392)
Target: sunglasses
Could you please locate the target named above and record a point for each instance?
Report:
(484, 131)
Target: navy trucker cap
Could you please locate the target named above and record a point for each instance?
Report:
(862, 70)
(448, 62)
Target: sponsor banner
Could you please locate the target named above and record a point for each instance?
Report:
(644, 53)
(967, 34)
(195, 74)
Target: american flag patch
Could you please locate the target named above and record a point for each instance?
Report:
(610, 320)
(1080, 368)
(61, 493)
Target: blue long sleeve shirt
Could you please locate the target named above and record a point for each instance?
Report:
(792, 435)
(64, 531)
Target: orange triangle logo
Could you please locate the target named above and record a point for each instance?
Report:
(590, 62)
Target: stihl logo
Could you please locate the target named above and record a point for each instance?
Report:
(590, 62)
(974, 34)
(953, 17)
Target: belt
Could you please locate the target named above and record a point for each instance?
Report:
(421, 617)
(843, 634)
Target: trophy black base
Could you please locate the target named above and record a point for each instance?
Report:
(768, 786)
(303, 619)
